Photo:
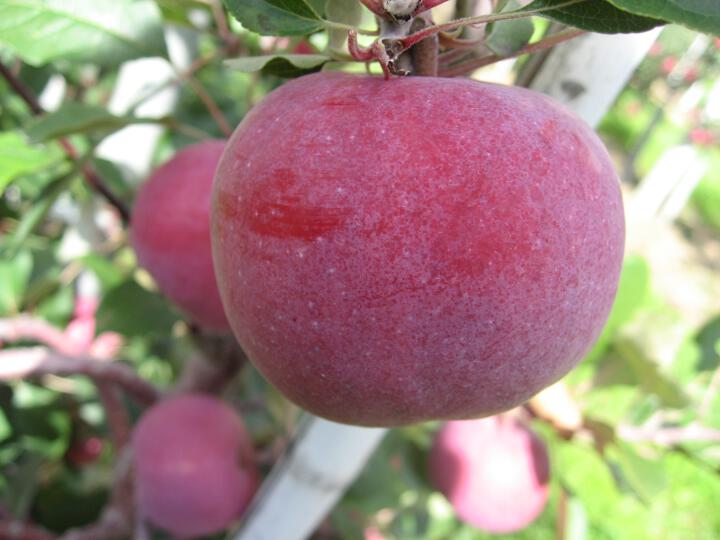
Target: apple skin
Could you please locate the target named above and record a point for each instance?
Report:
(171, 232)
(390, 252)
(494, 471)
(195, 468)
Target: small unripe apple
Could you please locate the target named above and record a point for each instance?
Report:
(390, 252)
(494, 471)
(171, 232)
(195, 468)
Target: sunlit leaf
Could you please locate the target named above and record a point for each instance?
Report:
(19, 157)
(278, 17)
(103, 32)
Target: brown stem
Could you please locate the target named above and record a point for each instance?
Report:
(454, 56)
(710, 393)
(218, 360)
(20, 363)
(116, 415)
(25, 327)
(561, 517)
(424, 54)
(211, 106)
(17, 530)
(218, 13)
(471, 65)
(91, 178)
(669, 436)
(400, 45)
(20, 89)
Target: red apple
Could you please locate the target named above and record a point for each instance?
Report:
(171, 232)
(494, 472)
(390, 252)
(194, 465)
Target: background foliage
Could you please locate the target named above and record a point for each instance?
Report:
(644, 464)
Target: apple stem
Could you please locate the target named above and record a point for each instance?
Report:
(425, 53)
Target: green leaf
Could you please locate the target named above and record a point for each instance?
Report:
(113, 177)
(596, 16)
(104, 32)
(610, 404)
(645, 477)
(633, 291)
(649, 376)
(282, 65)
(507, 37)
(703, 15)
(348, 12)
(14, 277)
(5, 428)
(708, 340)
(17, 157)
(109, 274)
(77, 118)
(134, 311)
(36, 213)
(585, 474)
(278, 17)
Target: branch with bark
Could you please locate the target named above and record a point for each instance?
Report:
(27, 362)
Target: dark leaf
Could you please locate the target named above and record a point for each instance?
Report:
(134, 311)
(282, 65)
(278, 17)
(596, 16)
(76, 118)
(703, 15)
(18, 157)
(507, 37)
(649, 376)
(14, 277)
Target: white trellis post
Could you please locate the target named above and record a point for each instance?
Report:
(326, 457)
(303, 487)
(587, 73)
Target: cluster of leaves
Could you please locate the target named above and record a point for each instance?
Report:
(56, 235)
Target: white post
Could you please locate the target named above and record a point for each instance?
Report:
(133, 147)
(587, 73)
(304, 486)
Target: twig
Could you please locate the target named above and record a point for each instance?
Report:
(669, 436)
(400, 45)
(180, 77)
(210, 105)
(17, 530)
(186, 129)
(471, 65)
(116, 415)
(710, 394)
(218, 360)
(21, 90)
(29, 328)
(561, 516)
(91, 178)
(218, 12)
(16, 364)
